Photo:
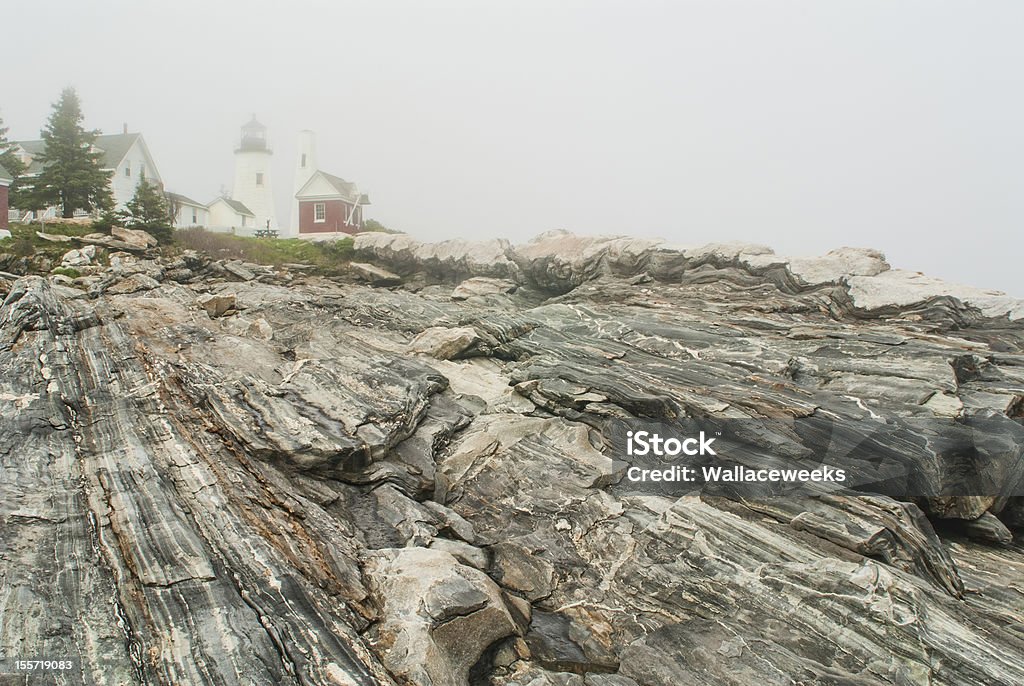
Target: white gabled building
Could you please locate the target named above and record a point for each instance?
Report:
(125, 155)
(230, 216)
(187, 212)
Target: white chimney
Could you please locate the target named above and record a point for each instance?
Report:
(305, 167)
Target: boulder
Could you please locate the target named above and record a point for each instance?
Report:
(133, 284)
(449, 258)
(375, 276)
(136, 238)
(445, 344)
(79, 258)
(261, 329)
(439, 615)
(899, 288)
(53, 238)
(111, 242)
(480, 286)
(216, 304)
(237, 269)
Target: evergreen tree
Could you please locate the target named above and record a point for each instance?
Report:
(72, 177)
(148, 210)
(10, 161)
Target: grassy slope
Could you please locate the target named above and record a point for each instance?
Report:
(24, 241)
(326, 255)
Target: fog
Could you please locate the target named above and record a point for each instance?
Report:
(802, 125)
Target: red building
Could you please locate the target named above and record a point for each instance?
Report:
(5, 188)
(329, 204)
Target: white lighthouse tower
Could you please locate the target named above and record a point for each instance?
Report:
(305, 167)
(253, 186)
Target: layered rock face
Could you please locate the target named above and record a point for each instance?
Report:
(219, 475)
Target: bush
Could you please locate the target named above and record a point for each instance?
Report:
(108, 220)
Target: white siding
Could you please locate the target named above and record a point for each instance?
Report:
(191, 215)
(222, 218)
(259, 198)
(135, 161)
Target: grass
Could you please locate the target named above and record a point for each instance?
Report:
(24, 241)
(69, 272)
(326, 256)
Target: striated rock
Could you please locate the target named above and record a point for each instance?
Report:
(363, 485)
(137, 244)
(900, 288)
(988, 528)
(445, 344)
(480, 286)
(133, 284)
(838, 264)
(216, 304)
(238, 270)
(559, 261)
(79, 258)
(449, 258)
(53, 238)
(61, 280)
(374, 276)
(458, 614)
(136, 238)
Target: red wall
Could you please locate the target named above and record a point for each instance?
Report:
(337, 210)
(3, 207)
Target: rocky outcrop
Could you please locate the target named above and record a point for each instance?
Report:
(559, 261)
(226, 473)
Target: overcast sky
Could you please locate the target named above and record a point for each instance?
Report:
(806, 126)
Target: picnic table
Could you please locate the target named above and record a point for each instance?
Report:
(265, 233)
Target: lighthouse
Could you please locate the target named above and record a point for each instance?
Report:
(305, 167)
(253, 187)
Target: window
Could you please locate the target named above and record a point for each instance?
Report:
(303, 163)
(259, 178)
(128, 169)
(195, 217)
(243, 221)
(319, 212)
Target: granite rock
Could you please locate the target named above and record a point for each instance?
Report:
(362, 485)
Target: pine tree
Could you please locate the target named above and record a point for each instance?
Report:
(10, 161)
(72, 177)
(148, 210)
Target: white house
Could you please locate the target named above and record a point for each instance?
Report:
(188, 212)
(6, 179)
(125, 154)
(231, 216)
